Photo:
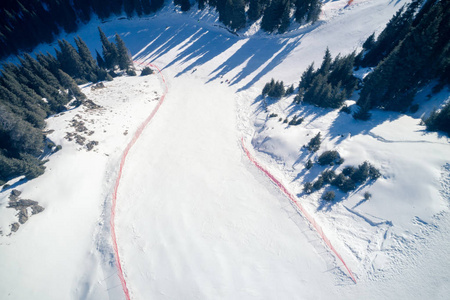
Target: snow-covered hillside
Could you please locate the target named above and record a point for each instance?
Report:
(194, 217)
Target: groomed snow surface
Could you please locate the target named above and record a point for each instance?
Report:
(195, 219)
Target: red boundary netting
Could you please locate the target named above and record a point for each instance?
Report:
(299, 207)
(136, 136)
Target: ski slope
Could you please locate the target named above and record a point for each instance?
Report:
(194, 218)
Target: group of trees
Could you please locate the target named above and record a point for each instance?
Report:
(411, 51)
(346, 181)
(26, 23)
(275, 14)
(329, 85)
(39, 87)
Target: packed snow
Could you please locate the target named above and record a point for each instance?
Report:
(194, 217)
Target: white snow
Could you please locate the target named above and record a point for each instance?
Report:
(194, 218)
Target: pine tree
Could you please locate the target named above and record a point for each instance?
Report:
(370, 42)
(307, 77)
(100, 62)
(255, 10)
(326, 63)
(238, 14)
(69, 59)
(185, 5)
(89, 65)
(128, 7)
(71, 85)
(285, 17)
(146, 6)
(109, 50)
(123, 58)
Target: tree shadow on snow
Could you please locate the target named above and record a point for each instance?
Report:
(197, 46)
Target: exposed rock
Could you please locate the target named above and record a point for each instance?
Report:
(14, 196)
(99, 85)
(80, 139)
(91, 145)
(90, 104)
(23, 215)
(15, 227)
(35, 209)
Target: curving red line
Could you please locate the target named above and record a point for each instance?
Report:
(300, 207)
(137, 134)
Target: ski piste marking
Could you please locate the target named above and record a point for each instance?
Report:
(136, 136)
(300, 207)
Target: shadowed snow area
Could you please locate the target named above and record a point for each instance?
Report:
(194, 218)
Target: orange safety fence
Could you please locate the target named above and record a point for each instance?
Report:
(300, 207)
(136, 136)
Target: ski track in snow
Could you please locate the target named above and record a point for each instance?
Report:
(119, 177)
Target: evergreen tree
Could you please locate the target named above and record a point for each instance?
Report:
(285, 17)
(109, 50)
(201, 4)
(123, 58)
(272, 15)
(128, 7)
(370, 42)
(185, 5)
(71, 85)
(69, 59)
(256, 8)
(238, 14)
(146, 6)
(307, 77)
(89, 65)
(100, 62)
(326, 63)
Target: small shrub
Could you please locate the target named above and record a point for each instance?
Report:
(329, 157)
(349, 170)
(362, 115)
(146, 71)
(290, 90)
(297, 99)
(328, 196)
(328, 176)
(308, 188)
(309, 164)
(367, 195)
(439, 120)
(273, 115)
(343, 183)
(131, 72)
(318, 184)
(364, 172)
(112, 74)
(274, 89)
(296, 121)
(346, 109)
(314, 143)
(59, 147)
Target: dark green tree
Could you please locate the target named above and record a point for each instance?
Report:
(109, 51)
(123, 58)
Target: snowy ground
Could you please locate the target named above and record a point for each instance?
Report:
(194, 218)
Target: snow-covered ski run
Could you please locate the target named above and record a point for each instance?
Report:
(182, 213)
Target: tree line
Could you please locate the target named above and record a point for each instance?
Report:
(39, 87)
(26, 23)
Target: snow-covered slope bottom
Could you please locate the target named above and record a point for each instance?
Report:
(194, 218)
